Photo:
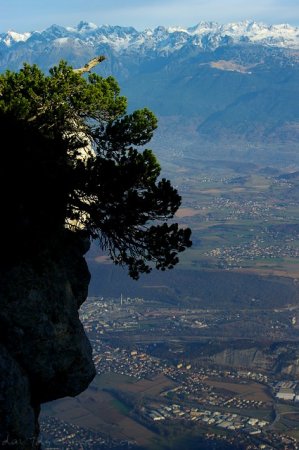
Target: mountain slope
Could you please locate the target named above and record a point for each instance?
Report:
(238, 82)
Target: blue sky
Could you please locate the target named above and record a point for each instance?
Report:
(29, 15)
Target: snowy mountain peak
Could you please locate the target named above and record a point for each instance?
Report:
(203, 27)
(12, 37)
(207, 35)
(281, 35)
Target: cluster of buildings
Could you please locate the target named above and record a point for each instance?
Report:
(234, 255)
(225, 208)
(287, 390)
(60, 435)
(218, 419)
(203, 394)
(131, 363)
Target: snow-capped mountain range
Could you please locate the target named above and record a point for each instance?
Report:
(238, 82)
(207, 35)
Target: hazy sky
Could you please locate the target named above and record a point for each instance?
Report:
(29, 15)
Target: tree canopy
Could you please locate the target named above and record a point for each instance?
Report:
(74, 158)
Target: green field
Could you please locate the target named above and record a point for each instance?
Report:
(232, 209)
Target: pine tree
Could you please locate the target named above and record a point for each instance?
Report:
(73, 158)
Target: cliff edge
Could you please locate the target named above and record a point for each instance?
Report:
(44, 352)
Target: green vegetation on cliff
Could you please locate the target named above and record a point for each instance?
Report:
(72, 160)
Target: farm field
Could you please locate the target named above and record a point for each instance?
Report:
(242, 216)
(98, 410)
(247, 391)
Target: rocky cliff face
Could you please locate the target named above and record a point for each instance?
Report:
(248, 358)
(44, 352)
(281, 358)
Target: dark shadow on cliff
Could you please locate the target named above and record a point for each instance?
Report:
(71, 172)
(44, 352)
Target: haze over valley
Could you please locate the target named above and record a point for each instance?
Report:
(211, 347)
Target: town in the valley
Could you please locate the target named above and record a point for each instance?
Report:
(156, 378)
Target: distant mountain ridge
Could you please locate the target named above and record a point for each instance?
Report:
(237, 84)
(207, 35)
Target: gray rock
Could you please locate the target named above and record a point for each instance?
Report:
(44, 352)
